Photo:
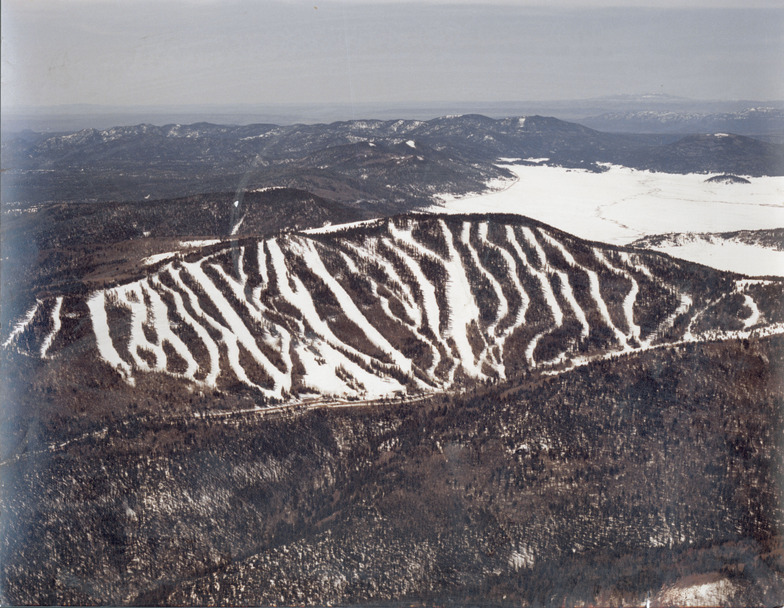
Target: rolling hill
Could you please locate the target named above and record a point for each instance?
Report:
(392, 166)
(394, 306)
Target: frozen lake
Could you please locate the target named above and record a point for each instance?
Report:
(621, 205)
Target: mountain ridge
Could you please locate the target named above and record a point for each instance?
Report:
(455, 154)
(394, 306)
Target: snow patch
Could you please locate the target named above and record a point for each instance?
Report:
(158, 257)
(200, 243)
(56, 325)
(236, 226)
(329, 228)
(23, 323)
(712, 593)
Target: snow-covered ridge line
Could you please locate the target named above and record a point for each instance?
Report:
(200, 243)
(407, 304)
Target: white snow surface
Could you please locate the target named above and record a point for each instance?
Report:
(429, 297)
(326, 341)
(203, 334)
(56, 325)
(268, 188)
(406, 299)
(106, 350)
(239, 333)
(158, 257)
(236, 226)
(200, 243)
(725, 254)
(621, 205)
(754, 318)
(163, 330)
(314, 262)
(463, 308)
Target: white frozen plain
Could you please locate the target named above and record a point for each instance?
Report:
(621, 205)
(743, 258)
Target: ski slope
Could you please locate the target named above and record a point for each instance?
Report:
(406, 305)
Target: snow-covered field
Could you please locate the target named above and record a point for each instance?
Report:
(727, 254)
(621, 205)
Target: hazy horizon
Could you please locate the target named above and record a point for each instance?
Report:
(86, 116)
(187, 53)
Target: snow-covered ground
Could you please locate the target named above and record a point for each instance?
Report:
(200, 243)
(327, 228)
(158, 257)
(621, 205)
(727, 254)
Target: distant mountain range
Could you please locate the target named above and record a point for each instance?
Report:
(69, 118)
(762, 122)
(388, 165)
(770, 239)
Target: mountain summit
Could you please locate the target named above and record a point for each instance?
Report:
(401, 305)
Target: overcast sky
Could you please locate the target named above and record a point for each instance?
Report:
(180, 52)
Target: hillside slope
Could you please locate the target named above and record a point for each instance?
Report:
(448, 409)
(409, 304)
(655, 476)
